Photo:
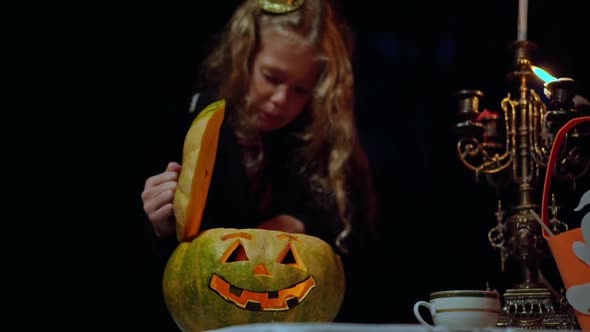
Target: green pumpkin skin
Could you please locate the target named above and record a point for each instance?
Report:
(195, 306)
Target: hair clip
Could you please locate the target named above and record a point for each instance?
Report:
(280, 6)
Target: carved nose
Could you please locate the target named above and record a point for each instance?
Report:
(261, 269)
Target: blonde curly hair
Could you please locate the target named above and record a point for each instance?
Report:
(331, 155)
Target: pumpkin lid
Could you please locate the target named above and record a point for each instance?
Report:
(198, 159)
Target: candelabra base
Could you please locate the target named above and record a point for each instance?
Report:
(532, 309)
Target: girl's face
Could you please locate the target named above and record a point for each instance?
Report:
(284, 74)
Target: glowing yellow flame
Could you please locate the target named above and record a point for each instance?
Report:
(543, 74)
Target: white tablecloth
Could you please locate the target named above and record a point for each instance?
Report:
(350, 327)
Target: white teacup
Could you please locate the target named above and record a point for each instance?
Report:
(461, 308)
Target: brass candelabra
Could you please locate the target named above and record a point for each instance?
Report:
(515, 144)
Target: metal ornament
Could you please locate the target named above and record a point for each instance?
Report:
(280, 6)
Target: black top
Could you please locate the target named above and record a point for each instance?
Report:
(232, 204)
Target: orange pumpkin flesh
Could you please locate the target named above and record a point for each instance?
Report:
(198, 159)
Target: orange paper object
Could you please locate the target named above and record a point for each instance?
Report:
(573, 271)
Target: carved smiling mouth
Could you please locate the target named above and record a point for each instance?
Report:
(277, 300)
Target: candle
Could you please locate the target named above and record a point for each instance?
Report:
(523, 6)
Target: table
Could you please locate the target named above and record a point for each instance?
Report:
(357, 327)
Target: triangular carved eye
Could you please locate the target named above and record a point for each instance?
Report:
(290, 257)
(235, 253)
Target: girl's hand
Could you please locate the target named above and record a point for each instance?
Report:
(157, 197)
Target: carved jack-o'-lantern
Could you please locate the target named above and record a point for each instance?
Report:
(239, 276)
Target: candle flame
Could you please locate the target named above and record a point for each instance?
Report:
(542, 74)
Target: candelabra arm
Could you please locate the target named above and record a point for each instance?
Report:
(541, 131)
(496, 236)
(470, 147)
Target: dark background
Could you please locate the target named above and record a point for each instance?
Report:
(411, 58)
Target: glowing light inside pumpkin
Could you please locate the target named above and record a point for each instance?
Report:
(273, 300)
(276, 300)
